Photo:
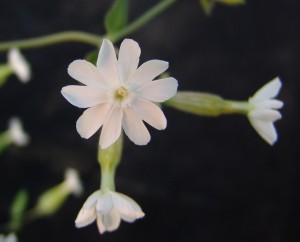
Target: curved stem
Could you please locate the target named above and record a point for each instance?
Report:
(141, 21)
(67, 36)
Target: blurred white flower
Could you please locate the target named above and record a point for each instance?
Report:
(72, 182)
(9, 238)
(263, 110)
(108, 208)
(19, 65)
(119, 94)
(16, 133)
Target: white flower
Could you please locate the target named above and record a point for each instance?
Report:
(263, 110)
(119, 94)
(9, 238)
(16, 132)
(72, 182)
(108, 208)
(19, 65)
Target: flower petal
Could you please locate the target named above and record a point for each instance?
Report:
(268, 115)
(100, 224)
(91, 120)
(126, 207)
(104, 203)
(159, 90)
(86, 73)
(150, 113)
(19, 65)
(107, 61)
(265, 129)
(111, 221)
(128, 60)
(269, 90)
(134, 128)
(84, 96)
(269, 104)
(111, 129)
(148, 71)
(85, 217)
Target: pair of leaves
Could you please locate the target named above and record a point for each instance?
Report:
(208, 5)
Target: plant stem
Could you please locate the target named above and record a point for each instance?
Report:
(67, 36)
(141, 21)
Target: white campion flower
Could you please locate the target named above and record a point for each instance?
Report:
(108, 208)
(19, 65)
(9, 238)
(263, 110)
(119, 94)
(16, 133)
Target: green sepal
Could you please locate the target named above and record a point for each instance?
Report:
(92, 56)
(117, 16)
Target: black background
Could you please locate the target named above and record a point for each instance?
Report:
(202, 179)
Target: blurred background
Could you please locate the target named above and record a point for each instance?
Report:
(202, 179)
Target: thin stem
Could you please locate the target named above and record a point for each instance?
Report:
(67, 36)
(141, 21)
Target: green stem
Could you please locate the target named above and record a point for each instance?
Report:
(141, 21)
(67, 36)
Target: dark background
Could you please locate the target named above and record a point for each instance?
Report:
(202, 179)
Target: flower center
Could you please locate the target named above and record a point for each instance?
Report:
(121, 93)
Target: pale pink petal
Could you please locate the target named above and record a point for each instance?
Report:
(107, 61)
(150, 113)
(148, 71)
(100, 224)
(159, 90)
(111, 129)
(85, 217)
(128, 60)
(111, 221)
(86, 73)
(84, 96)
(91, 120)
(265, 129)
(269, 90)
(134, 127)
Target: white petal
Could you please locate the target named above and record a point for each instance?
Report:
(91, 120)
(134, 128)
(85, 217)
(110, 221)
(100, 224)
(265, 129)
(92, 200)
(11, 238)
(126, 207)
(128, 60)
(159, 90)
(86, 73)
(72, 182)
(19, 64)
(84, 96)
(16, 132)
(269, 104)
(269, 90)
(107, 61)
(104, 203)
(148, 71)
(150, 113)
(265, 115)
(111, 129)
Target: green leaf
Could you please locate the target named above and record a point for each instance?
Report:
(232, 2)
(207, 6)
(92, 56)
(17, 210)
(117, 16)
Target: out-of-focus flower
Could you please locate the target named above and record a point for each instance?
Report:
(19, 65)
(108, 208)
(119, 94)
(263, 110)
(9, 238)
(72, 182)
(16, 133)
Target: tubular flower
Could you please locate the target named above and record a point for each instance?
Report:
(108, 208)
(119, 94)
(263, 110)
